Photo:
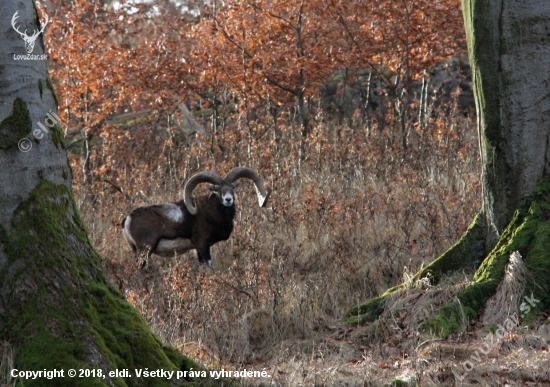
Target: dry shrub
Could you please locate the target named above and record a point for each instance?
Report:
(340, 227)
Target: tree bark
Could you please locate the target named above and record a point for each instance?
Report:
(57, 310)
(509, 52)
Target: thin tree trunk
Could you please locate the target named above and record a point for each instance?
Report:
(304, 125)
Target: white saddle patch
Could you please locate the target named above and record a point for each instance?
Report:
(173, 212)
(126, 231)
(169, 247)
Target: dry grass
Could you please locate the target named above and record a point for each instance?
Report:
(357, 216)
(507, 299)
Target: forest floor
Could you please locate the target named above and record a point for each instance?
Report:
(387, 352)
(341, 359)
(391, 352)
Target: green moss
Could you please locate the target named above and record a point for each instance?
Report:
(528, 233)
(61, 312)
(121, 333)
(479, 28)
(49, 85)
(398, 383)
(173, 355)
(58, 137)
(40, 87)
(538, 256)
(466, 253)
(16, 126)
(366, 312)
(452, 317)
(3, 235)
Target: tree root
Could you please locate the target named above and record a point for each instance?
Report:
(466, 253)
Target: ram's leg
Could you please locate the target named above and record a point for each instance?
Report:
(143, 255)
(134, 249)
(204, 254)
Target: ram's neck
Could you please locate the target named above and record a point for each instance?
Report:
(226, 212)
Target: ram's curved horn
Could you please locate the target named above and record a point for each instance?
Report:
(201, 177)
(249, 173)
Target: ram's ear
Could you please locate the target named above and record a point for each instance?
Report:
(235, 184)
(214, 188)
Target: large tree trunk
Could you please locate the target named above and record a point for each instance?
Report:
(57, 310)
(509, 53)
(509, 49)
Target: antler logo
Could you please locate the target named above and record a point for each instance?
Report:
(29, 40)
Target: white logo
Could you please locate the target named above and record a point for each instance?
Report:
(29, 40)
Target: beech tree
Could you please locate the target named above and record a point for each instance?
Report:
(57, 311)
(508, 46)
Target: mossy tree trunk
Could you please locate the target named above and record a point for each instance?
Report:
(509, 50)
(57, 310)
